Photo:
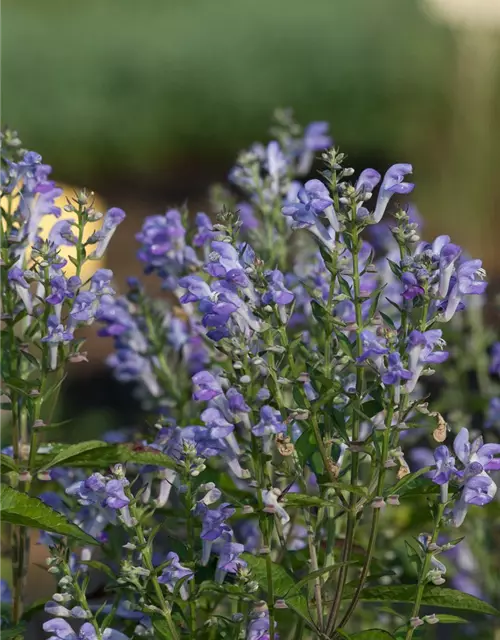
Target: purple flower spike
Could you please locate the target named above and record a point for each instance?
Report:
(392, 183)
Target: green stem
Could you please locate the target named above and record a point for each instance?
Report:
(375, 516)
(425, 568)
(146, 551)
(190, 539)
(360, 373)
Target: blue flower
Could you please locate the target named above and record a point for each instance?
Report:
(83, 309)
(412, 288)
(392, 183)
(62, 288)
(374, 348)
(468, 280)
(112, 219)
(421, 351)
(277, 291)
(367, 181)
(205, 231)
(225, 263)
(270, 422)
(445, 465)
(174, 572)
(17, 280)
(494, 367)
(206, 386)
(312, 199)
(493, 414)
(395, 370)
(229, 560)
(62, 234)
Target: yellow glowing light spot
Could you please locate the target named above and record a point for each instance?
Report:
(48, 221)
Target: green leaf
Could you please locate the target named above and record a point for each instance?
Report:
(319, 312)
(345, 345)
(373, 634)
(283, 583)
(371, 408)
(19, 508)
(435, 596)
(305, 446)
(446, 618)
(15, 632)
(402, 487)
(318, 573)
(303, 500)
(7, 463)
(73, 451)
(106, 455)
(388, 320)
(418, 487)
(100, 566)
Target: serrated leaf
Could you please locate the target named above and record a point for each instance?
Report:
(283, 583)
(65, 456)
(435, 596)
(19, 508)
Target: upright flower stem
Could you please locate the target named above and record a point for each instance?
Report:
(422, 579)
(267, 532)
(351, 515)
(146, 551)
(375, 516)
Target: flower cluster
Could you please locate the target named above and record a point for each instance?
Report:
(286, 371)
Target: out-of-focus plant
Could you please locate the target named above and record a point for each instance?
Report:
(288, 370)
